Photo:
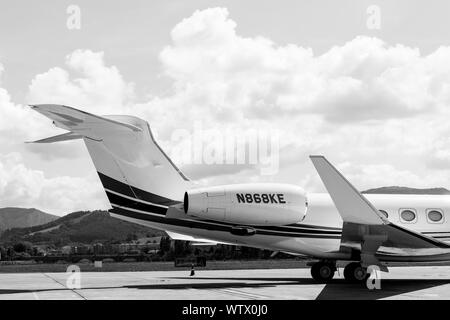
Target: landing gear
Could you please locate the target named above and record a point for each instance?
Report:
(355, 272)
(323, 271)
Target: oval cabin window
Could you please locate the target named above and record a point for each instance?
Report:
(408, 215)
(435, 216)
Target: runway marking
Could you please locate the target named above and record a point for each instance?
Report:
(62, 284)
(244, 294)
(241, 294)
(35, 296)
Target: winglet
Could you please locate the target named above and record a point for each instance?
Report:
(351, 204)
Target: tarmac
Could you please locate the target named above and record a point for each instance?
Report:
(400, 283)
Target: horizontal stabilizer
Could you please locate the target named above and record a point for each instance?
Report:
(61, 137)
(83, 123)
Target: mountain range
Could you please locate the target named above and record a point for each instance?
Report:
(19, 218)
(83, 227)
(406, 190)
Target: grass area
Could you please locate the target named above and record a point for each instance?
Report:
(155, 266)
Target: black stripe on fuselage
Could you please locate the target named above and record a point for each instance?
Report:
(130, 191)
(436, 232)
(207, 226)
(310, 226)
(125, 202)
(293, 227)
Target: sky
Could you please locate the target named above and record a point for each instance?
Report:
(366, 83)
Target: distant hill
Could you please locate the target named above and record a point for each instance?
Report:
(406, 190)
(21, 218)
(80, 227)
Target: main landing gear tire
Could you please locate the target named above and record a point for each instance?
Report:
(354, 272)
(323, 271)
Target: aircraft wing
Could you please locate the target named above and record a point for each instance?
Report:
(352, 205)
(365, 231)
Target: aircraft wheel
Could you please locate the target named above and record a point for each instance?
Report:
(354, 272)
(322, 271)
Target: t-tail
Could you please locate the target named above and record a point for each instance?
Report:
(130, 163)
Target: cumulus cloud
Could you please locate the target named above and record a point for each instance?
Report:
(364, 79)
(98, 88)
(18, 122)
(24, 187)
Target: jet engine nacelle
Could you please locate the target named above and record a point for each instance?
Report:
(248, 204)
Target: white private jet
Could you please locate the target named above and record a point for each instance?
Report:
(144, 186)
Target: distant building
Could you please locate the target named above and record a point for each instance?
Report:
(66, 250)
(81, 249)
(148, 240)
(135, 248)
(98, 248)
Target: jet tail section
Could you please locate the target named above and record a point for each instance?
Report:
(130, 163)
